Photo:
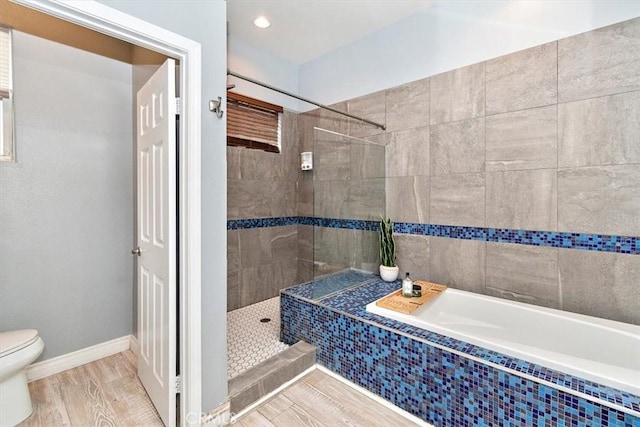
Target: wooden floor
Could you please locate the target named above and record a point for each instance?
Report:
(320, 400)
(103, 393)
(108, 393)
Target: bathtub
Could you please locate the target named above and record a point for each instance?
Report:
(599, 350)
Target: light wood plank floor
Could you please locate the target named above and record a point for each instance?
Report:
(319, 400)
(103, 393)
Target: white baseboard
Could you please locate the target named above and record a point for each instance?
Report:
(375, 397)
(133, 345)
(77, 358)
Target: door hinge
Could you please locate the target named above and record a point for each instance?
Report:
(177, 106)
(178, 384)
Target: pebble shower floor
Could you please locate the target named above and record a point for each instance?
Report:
(250, 341)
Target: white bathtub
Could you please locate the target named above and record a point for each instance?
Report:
(599, 350)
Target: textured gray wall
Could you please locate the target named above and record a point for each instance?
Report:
(541, 139)
(205, 23)
(66, 205)
(261, 184)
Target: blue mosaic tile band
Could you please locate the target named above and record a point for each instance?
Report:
(237, 224)
(436, 385)
(555, 239)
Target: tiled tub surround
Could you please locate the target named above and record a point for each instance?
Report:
(558, 340)
(439, 379)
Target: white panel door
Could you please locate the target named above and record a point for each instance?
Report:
(156, 236)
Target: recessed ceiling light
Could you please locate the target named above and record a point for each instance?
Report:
(262, 22)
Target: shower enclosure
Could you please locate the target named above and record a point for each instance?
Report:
(348, 201)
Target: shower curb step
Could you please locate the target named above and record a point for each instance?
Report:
(262, 379)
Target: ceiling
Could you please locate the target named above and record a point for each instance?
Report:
(302, 30)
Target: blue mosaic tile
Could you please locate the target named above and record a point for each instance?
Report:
(237, 224)
(354, 300)
(556, 239)
(323, 286)
(437, 386)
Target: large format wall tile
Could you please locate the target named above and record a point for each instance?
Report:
(367, 255)
(367, 160)
(408, 198)
(408, 106)
(366, 198)
(284, 243)
(523, 273)
(457, 147)
(371, 107)
(326, 119)
(233, 250)
(331, 158)
(331, 199)
(248, 199)
(304, 200)
(602, 199)
(522, 140)
(522, 199)
(600, 62)
(458, 94)
(600, 131)
(334, 246)
(305, 242)
(601, 284)
(457, 200)
(413, 255)
(457, 263)
(255, 247)
(233, 290)
(521, 80)
(283, 198)
(408, 153)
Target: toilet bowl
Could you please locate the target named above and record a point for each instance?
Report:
(18, 349)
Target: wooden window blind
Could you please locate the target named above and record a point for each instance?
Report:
(5, 62)
(253, 123)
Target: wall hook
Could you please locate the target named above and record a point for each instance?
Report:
(216, 107)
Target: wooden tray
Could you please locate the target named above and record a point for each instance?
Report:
(396, 302)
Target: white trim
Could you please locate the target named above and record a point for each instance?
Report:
(254, 405)
(125, 27)
(55, 365)
(375, 397)
(133, 345)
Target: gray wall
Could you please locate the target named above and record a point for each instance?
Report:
(261, 261)
(542, 139)
(66, 205)
(205, 23)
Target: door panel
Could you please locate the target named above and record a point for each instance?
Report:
(157, 240)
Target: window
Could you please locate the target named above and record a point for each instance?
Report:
(252, 123)
(6, 88)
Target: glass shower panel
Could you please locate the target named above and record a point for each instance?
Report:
(348, 191)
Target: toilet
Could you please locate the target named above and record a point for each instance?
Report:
(18, 349)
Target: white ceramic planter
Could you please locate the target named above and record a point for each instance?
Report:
(389, 274)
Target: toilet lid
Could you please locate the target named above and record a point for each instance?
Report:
(12, 341)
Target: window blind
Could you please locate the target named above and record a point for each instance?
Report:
(5, 62)
(253, 123)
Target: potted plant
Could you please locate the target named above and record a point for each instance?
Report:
(388, 267)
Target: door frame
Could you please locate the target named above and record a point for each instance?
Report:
(120, 25)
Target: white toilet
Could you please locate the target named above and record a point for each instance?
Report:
(18, 349)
